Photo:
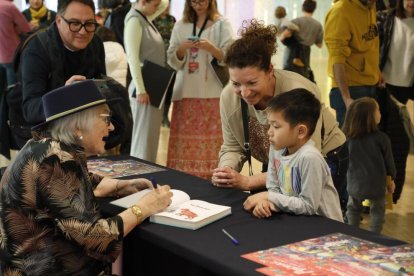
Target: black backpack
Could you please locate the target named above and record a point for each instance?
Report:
(121, 111)
(115, 21)
(19, 128)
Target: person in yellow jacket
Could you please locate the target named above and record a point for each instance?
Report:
(38, 15)
(351, 36)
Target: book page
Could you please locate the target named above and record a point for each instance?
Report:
(127, 201)
(178, 198)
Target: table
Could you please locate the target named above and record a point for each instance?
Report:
(207, 251)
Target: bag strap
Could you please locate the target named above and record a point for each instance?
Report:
(322, 130)
(246, 146)
(220, 32)
(19, 50)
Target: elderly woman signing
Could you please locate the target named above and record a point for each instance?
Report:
(50, 222)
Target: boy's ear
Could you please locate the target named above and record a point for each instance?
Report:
(302, 131)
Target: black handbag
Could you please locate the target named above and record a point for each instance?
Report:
(338, 162)
(222, 72)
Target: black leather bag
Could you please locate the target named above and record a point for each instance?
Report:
(222, 72)
(121, 111)
(337, 160)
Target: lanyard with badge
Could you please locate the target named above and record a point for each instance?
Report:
(193, 64)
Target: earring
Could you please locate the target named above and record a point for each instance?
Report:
(80, 137)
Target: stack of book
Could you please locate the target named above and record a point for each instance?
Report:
(335, 254)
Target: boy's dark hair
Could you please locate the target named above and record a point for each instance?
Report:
(63, 4)
(309, 6)
(360, 118)
(298, 106)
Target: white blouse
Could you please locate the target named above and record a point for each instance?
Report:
(399, 67)
(203, 83)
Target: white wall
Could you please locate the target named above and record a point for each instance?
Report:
(51, 4)
(239, 10)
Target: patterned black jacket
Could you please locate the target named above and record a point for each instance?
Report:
(50, 223)
(385, 23)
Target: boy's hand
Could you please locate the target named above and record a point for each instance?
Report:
(253, 200)
(264, 209)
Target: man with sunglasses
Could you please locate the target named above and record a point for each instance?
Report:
(66, 52)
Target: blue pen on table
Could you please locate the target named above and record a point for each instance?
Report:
(154, 182)
(233, 239)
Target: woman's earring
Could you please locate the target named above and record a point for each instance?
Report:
(80, 137)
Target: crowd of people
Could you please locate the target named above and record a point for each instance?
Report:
(314, 161)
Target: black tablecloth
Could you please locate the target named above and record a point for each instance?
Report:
(207, 251)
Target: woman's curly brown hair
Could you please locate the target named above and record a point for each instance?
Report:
(254, 48)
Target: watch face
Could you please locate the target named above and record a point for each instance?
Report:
(137, 211)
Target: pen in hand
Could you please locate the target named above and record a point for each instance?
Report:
(233, 239)
(154, 182)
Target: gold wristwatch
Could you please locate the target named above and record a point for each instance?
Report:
(136, 210)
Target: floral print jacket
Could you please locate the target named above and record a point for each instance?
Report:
(50, 223)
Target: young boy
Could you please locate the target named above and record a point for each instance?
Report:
(298, 179)
(288, 38)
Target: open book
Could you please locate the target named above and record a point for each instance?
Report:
(182, 212)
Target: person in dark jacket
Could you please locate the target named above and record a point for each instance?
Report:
(38, 15)
(72, 53)
(396, 32)
(12, 26)
(385, 4)
(115, 20)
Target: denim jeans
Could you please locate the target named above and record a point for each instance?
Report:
(356, 92)
(377, 212)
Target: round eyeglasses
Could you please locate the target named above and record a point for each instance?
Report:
(75, 25)
(198, 2)
(107, 118)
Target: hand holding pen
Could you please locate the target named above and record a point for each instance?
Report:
(154, 183)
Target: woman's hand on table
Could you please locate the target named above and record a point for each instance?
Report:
(226, 177)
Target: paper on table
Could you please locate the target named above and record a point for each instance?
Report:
(127, 201)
